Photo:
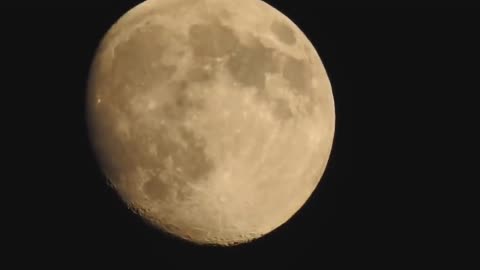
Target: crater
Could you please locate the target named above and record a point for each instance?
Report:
(283, 32)
(249, 64)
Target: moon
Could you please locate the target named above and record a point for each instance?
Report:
(212, 119)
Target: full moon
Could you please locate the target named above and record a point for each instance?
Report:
(212, 119)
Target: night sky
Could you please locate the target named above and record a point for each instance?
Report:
(380, 206)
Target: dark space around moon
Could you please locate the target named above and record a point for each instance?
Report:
(363, 212)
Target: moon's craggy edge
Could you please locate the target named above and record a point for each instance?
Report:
(170, 163)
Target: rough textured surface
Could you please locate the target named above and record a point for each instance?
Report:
(213, 119)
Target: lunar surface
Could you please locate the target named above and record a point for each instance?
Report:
(212, 119)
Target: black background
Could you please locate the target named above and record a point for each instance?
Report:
(400, 79)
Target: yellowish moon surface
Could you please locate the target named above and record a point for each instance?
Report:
(212, 119)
